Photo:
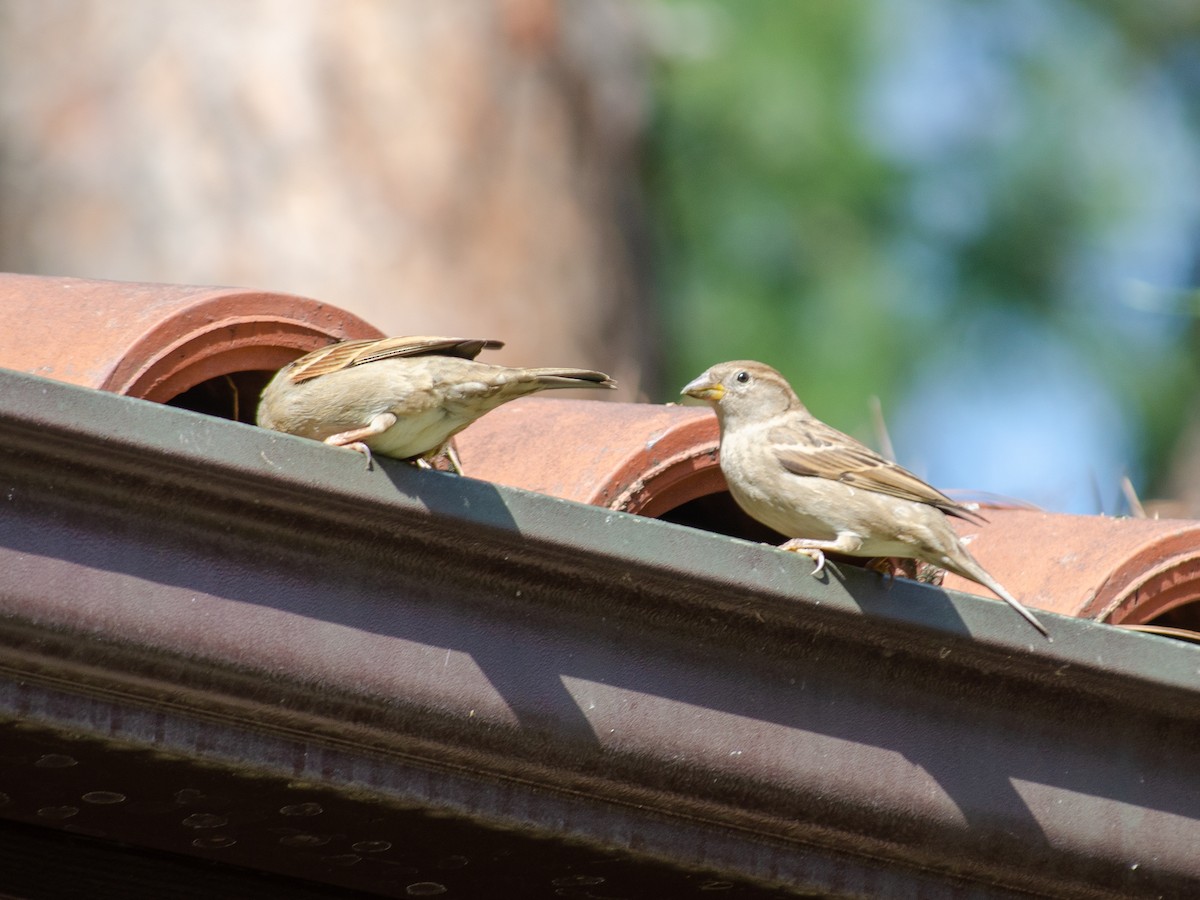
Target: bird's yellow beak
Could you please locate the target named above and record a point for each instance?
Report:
(704, 388)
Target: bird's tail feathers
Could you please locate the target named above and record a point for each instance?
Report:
(570, 378)
(967, 567)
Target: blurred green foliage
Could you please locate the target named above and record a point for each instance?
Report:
(773, 210)
(847, 190)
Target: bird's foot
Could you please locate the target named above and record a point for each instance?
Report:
(443, 459)
(817, 556)
(452, 455)
(353, 438)
(360, 447)
(886, 567)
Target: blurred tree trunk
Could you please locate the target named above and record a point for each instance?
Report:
(462, 167)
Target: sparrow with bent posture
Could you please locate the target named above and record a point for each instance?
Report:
(822, 488)
(403, 397)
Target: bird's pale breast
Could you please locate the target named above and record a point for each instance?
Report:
(819, 508)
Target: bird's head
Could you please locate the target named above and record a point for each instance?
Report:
(743, 389)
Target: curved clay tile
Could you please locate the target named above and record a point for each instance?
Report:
(159, 341)
(635, 457)
(1122, 571)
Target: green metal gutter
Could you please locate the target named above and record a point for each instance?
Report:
(186, 600)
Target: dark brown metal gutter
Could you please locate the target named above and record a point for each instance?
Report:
(221, 603)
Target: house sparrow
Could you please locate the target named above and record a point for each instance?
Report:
(404, 397)
(824, 489)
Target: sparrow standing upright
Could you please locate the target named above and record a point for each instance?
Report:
(403, 397)
(822, 488)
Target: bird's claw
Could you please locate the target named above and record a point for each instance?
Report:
(817, 556)
(360, 447)
(446, 452)
(455, 462)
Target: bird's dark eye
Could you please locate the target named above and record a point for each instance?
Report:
(741, 377)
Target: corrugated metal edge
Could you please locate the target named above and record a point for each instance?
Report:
(720, 614)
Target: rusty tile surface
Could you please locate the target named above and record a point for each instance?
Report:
(635, 457)
(1117, 570)
(155, 341)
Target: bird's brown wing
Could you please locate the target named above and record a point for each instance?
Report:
(818, 450)
(336, 357)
